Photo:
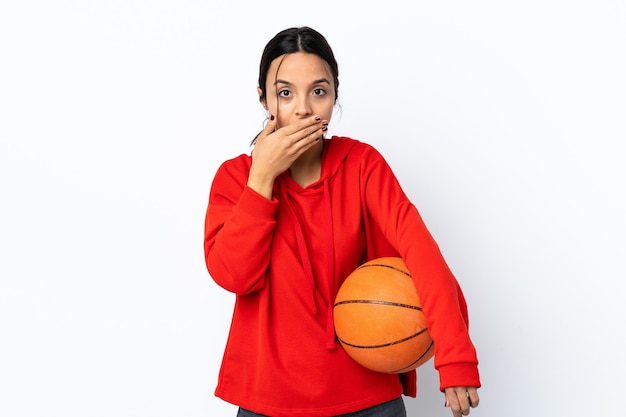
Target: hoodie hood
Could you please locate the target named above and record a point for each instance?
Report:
(334, 154)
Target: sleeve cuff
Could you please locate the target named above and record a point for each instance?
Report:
(253, 202)
(458, 375)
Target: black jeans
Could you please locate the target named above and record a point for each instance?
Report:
(393, 408)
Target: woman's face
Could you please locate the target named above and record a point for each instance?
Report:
(298, 86)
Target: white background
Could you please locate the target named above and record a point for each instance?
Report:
(504, 121)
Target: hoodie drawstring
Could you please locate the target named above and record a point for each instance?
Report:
(330, 325)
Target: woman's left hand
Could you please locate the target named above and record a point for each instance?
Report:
(460, 399)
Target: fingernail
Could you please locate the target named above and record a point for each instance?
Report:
(272, 117)
(324, 129)
(325, 123)
(318, 118)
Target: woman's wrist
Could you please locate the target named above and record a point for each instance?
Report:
(262, 184)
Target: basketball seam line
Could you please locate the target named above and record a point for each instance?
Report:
(389, 303)
(416, 360)
(383, 345)
(387, 266)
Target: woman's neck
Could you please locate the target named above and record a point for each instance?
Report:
(308, 168)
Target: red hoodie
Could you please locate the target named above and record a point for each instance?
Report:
(285, 259)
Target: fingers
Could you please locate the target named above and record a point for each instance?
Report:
(308, 130)
(270, 126)
(473, 397)
(299, 137)
(311, 128)
(287, 143)
(460, 399)
(276, 148)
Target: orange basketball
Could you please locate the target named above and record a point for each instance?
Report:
(378, 318)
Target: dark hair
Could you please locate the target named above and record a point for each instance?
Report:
(292, 40)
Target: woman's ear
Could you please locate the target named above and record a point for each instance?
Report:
(261, 99)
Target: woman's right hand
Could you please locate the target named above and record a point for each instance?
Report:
(277, 149)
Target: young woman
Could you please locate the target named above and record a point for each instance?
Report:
(286, 224)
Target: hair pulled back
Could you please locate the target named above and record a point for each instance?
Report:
(292, 40)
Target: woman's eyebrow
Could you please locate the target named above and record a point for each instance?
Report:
(321, 81)
(281, 82)
(318, 81)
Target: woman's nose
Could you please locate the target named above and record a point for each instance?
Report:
(303, 106)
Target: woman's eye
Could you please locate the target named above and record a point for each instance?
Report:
(284, 93)
(319, 92)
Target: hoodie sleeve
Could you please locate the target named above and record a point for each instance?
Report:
(441, 297)
(238, 230)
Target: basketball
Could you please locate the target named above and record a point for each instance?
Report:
(378, 318)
